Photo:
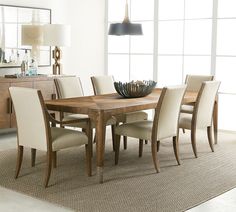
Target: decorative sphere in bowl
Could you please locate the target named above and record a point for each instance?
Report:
(135, 89)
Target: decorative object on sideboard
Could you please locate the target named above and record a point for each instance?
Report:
(126, 27)
(57, 35)
(135, 89)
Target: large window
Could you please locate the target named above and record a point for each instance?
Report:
(184, 39)
(131, 57)
(180, 37)
(226, 62)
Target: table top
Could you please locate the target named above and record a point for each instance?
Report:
(112, 103)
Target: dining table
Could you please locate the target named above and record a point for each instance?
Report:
(101, 108)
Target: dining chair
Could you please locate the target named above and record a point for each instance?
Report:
(70, 87)
(34, 130)
(202, 115)
(105, 85)
(164, 125)
(194, 83)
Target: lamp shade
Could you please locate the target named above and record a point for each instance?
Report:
(32, 35)
(125, 28)
(56, 35)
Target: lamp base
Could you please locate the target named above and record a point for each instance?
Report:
(57, 67)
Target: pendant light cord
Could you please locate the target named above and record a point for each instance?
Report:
(126, 19)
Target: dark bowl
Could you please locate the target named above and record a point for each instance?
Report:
(135, 89)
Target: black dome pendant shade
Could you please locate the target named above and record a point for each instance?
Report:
(126, 27)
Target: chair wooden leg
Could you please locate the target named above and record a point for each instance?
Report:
(176, 148)
(20, 152)
(54, 159)
(140, 148)
(54, 116)
(125, 142)
(193, 141)
(209, 134)
(49, 168)
(88, 160)
(113, 137)
(33, 157)
(183, 130)
(158, 146)
(154, 156)
(117, 149)
(146, 141)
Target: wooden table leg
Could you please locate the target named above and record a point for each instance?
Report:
(215, 121)
(100, 144)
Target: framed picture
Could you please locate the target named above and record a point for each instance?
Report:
(12, 52)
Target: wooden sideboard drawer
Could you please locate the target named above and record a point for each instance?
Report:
(7, 115)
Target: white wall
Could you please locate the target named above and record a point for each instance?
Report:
(85, 56)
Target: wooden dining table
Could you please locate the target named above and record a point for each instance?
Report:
(102, 107)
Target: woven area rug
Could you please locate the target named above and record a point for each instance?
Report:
(132, 185)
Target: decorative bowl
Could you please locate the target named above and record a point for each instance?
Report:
(135, 89)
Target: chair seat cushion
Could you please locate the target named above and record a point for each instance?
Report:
(77, 116)
(141, 129)
(111, 121)
(63, 138)
(186, 109)
(185, 120)
(80, 117)
(135, 116)
(83, 123)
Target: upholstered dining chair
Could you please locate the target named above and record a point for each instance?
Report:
(164, 125)
(105, 85)
(69, 87)
(201, 118)
(194, 83)
(34, 131)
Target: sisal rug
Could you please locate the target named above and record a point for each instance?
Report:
(132, 185)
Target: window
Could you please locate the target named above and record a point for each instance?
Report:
(180, 37)
(131, 57)
(184, 39)
(226, 62)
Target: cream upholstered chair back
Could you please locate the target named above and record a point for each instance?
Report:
(194, 82)
(166, 117)
(32, 127)
(103, 85)
(68, 87)
(203, 110)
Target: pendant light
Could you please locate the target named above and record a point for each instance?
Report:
(126, 27)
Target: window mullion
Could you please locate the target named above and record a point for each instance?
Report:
(155, 47)
(214, 37)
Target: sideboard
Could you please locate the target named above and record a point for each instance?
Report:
(43, 83)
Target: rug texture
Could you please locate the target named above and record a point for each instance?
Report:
(132, 185)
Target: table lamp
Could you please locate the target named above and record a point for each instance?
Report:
(57, 35)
